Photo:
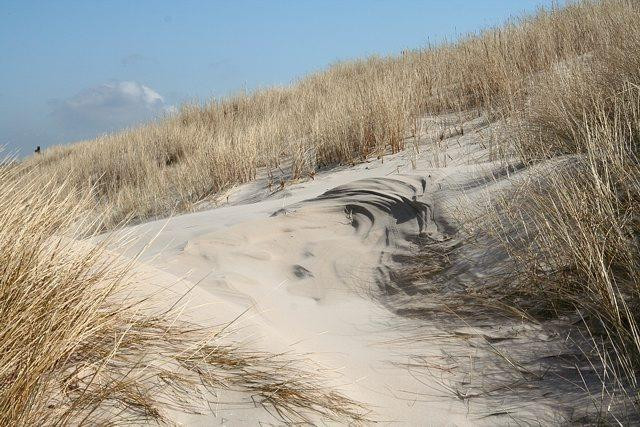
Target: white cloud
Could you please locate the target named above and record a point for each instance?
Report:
(110, 106)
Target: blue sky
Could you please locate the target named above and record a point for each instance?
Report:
(75, 69)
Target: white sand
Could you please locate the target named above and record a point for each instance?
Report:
(309, 268)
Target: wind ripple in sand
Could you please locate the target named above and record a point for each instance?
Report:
(320, 273)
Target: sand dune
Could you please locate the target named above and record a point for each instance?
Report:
(320, 269)
(316, 269)
(445, 237)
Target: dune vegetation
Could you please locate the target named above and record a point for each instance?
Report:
(349, 112)
(563, 82)
(77, 346)
(583, 251)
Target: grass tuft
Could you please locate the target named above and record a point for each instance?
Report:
(77, 348)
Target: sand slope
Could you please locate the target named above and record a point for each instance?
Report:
(313, 267)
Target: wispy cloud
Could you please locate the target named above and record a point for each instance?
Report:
(109, 106)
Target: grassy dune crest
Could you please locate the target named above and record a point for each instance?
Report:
(349, 112)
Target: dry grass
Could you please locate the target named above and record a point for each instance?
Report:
(582, 220)
(77, 348)
(573, 235)
(349, 112)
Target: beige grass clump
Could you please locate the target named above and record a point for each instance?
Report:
(349, 112)
(582, 251)
(585, 252)
(77, 347)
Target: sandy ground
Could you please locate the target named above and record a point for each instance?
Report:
(311, 269)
